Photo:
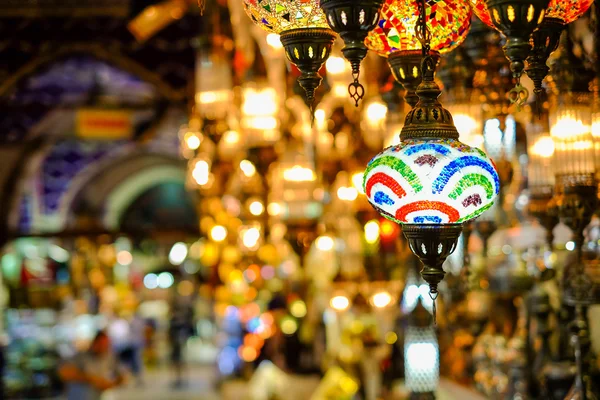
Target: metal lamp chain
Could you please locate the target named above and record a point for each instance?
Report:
(422, 31)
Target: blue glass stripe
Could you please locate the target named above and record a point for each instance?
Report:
(428, 218)
(382, 198)
(453, 167)
(427, 146)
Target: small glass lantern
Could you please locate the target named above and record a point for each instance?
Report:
(421, 355)
(571, 131)
(260, 108)
(540, 151)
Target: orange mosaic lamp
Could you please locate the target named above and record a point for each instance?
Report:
(395, 36)
(305, 35)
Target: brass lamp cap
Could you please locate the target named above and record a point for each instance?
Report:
(428, 119)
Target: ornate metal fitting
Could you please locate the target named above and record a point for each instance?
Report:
(353, 20)
(517, 19)
(428, 119)
(308, 49)
(432, 244)
(406, 68)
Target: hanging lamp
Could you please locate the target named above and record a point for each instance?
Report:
(353, 20)
(395, 36)
(431, 183)
(545, 39)
(516, 20)
(304, 32)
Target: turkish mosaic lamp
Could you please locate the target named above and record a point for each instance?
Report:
(431, 183)
(305, 35)
(395, 36)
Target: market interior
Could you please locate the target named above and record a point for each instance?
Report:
(300, 199)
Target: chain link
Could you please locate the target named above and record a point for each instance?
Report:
(422, 31)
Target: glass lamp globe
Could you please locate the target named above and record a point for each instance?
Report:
(395, 36)
(304, 31)
(440, 181)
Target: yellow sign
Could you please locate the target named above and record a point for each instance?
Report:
(104, 124)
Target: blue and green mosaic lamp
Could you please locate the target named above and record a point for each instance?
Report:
(431, 183)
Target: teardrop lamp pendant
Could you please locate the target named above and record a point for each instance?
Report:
(308, 49)
(353, 20)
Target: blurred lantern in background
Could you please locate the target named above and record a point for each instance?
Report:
(421, 355)
(295, 193)
(304, 32)
(260, 115)
(571, 131)
(214, 93)
(374, 121)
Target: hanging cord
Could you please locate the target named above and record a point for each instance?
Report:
(422, 31)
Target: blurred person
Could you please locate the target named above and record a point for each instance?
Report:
(92, 372)
(137, 338)
(181, 327)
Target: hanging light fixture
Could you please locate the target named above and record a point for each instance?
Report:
(540, 175)
(545, 39)
(517, 20)
(304, 32)
(421, 355)
(395, 36)
(431, 183)
(353, 20)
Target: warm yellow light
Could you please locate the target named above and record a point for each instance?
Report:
(335, 65)
(213, 96)
(339, 303)
(298, 309)
(357, 181)
(324, 243)
(218, 233)
(381, 299)
(372, 231)
(274, 209)
(256, 208)
(201, 172)
(231, 137)
(250, 238)
(289, 326)
(247, 168)
(348, 385)
(192, 141)
(347, 193)
(274, 41)
(391, 338)
(298, 173)
(260, 102)
(544, 147)
(376, 112)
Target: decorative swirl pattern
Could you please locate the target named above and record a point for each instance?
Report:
(431, 182)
